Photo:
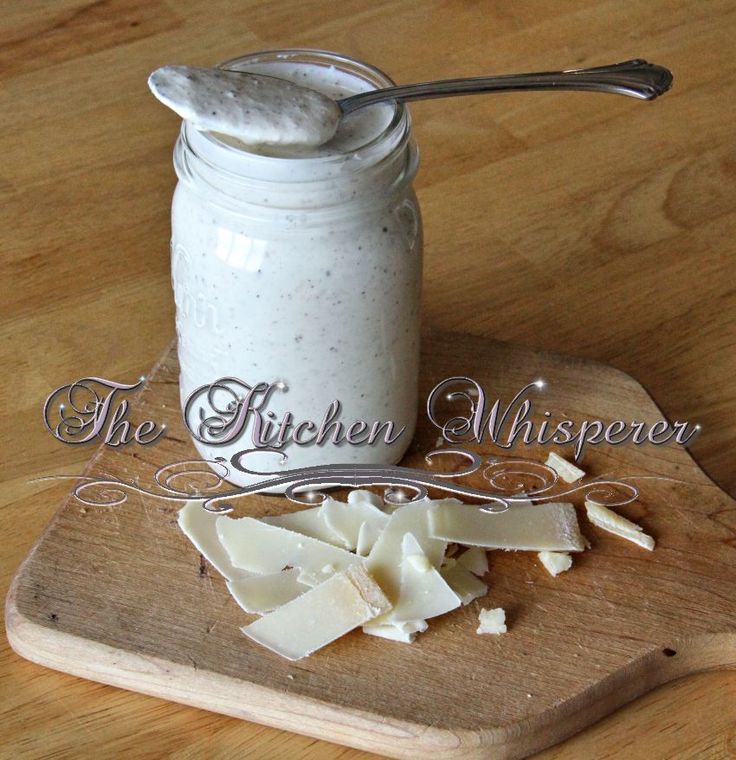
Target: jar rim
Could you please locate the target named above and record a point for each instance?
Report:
(399, 123)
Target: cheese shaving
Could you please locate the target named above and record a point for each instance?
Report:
(403, 632)
(614, 523)
(264, 593)
(199, 526)
(261, 548)
(567, 471)
(466, 585)
(346, 520)
(533, 527)
(342, 603)
(474, 559)
(309, 522)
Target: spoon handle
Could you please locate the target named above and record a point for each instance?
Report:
(636, 78)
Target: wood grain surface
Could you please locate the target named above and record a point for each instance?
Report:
(590, 225)
(117, 594)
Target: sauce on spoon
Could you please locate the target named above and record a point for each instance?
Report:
(254, 108)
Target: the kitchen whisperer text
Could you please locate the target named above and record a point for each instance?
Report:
(230, 410)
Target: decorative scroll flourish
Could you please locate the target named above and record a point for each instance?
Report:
(511, 481)
(508, 476)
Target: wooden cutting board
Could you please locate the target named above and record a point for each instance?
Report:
(118, 595)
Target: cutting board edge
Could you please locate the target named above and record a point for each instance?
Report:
(41, 644)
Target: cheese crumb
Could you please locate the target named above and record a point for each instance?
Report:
(555, 562)
(492, 621)
(566, 470)
(614, 523)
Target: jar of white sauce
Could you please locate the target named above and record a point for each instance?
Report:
(301, 268)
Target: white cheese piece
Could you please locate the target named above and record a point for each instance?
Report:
(253, 545)
(313, 578)
(555, 562)
(198, 525)
(264, 593)
(463, 583)
(404, 632)
(391, 632)
(367, 536)
(362, 496)
(424, 593)
(614, 523)
(384, 561)
(346, 519)
(533, 527)
(309, 522)
(566, 470)
(474, 559)
(419, 562)
(492, 621)
(311, 621)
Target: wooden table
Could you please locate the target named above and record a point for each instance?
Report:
(589, 225)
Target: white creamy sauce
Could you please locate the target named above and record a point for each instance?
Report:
(256, 109)
(310, 273)
(354, 130)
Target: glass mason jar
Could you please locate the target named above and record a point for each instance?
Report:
(300, 270)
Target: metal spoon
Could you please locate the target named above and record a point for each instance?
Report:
(261, 109)
(635, 78)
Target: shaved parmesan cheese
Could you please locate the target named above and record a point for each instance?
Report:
(384, 560)
(614, 523)
(261, 548)
(263, 593)
(313, 578)
(411, 564)
(343, 602)
(198, 525)
(424, 593)
(566, 470)
(367, 536)
(419, 562)
(309, 522)
(474, 559)
(533, 527)
(361, 496)
(463, 583)
(346, 520)
(404, 632)
(555, 562)
(492, 621)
